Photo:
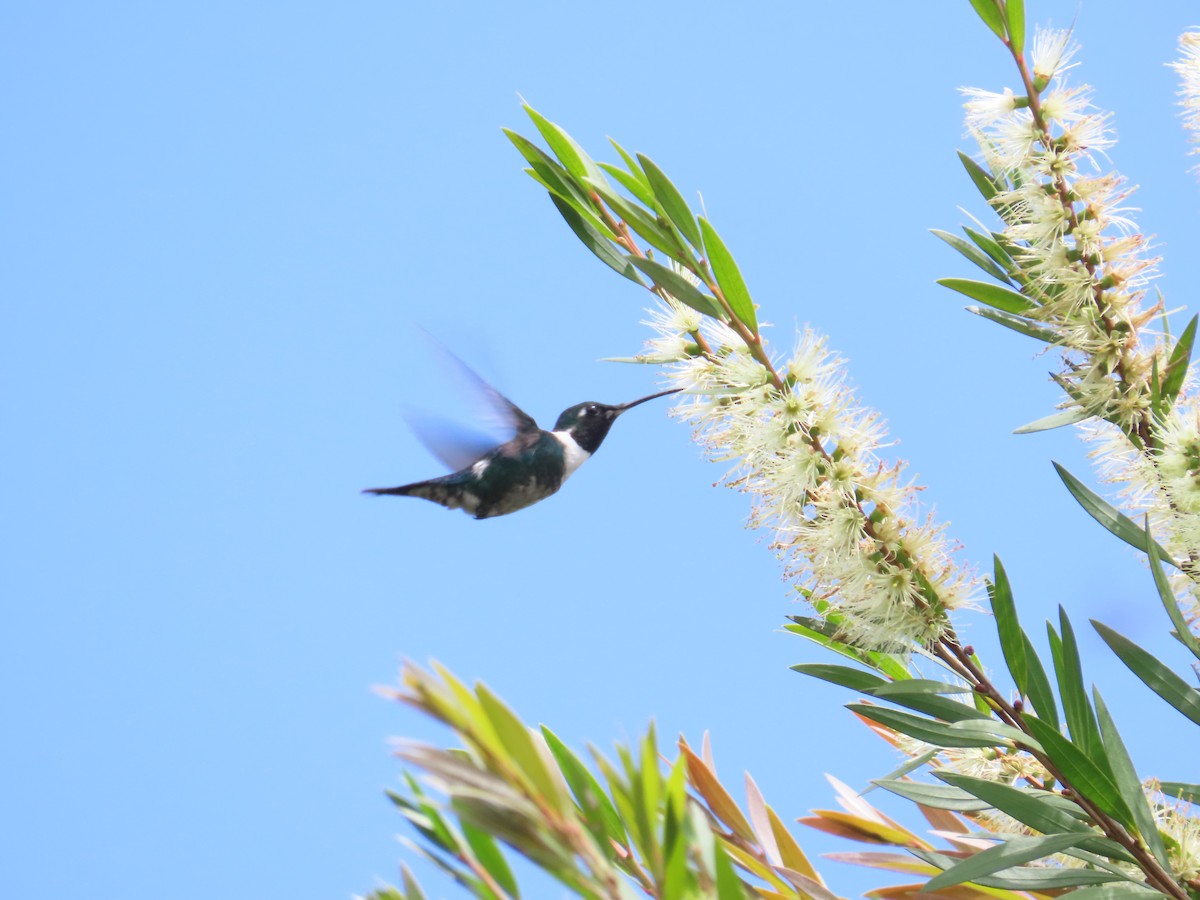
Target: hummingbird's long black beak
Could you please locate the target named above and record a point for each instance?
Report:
(621, 407)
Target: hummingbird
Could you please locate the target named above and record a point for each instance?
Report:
(529, 467)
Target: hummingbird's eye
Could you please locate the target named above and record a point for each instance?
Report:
(591, 408)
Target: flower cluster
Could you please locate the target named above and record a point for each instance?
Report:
(799, 443)
(1077, 255)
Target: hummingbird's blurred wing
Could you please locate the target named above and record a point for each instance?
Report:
(494, 418)
(495, 410)
(456, 445)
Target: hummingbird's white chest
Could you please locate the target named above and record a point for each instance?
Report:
(574, 456)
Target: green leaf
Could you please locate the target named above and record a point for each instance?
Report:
(631, 164)
(631, 183)
(729, 886)
(672, 202)
(990, 245)
(825, 634)
(678, 287)
(980, 176)
(992, 295)
(990, 13)
(550, 174)
(729, 277)
(1081, 721)
(1156, 676)
(1014, 16)
(1013, 851)
(928, 730)
(1022, 878)
(488, 853)
(572, 156)
(1125, 775)
(595, 241)
(972, 253)
(1018, 324)
(855, 679)
(1008, 628)
(1182, 632)
(598, 811)
(1182, 790)
(938, 796)
(518, 742)
(1115, 521)
(1177, 365)
(926, 696)
(1083, 774)
(1040, 810)
(1040, 693)
(1058, 420)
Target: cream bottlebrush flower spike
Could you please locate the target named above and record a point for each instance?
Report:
(1081, 260)
(844, 523)
(1080, 257)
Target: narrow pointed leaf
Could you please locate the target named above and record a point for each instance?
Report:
(930, 703)
(1040, 693)
(1182, 632)
(573, 157)
(928, 730)
(715, 795)
(990, 244)
(990, 14)
(550, 174)
(488, 853)
(1181, 790)
(1156, 676)
(909, 765)
(1129, 784)
(1057, 420)
(1177, 365)
(1084, 775)
(938, 796)
(631, 164)
(518, 742)
(672, 202)
(678, 286)
(992, 295)
(1014, 18)
(820, 632)
(972, 253)
(1018, 324)
(596, 242)
(1008, 628)
(1014, 851)
(1041, 811)
(728, 276)
(589, 795)
(1112, 519)
(631, 183)
(790, 851)
(855, 679)
(1081, 720)
(1024, 878)
(979, 175)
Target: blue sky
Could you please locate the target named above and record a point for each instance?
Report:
(223, 222)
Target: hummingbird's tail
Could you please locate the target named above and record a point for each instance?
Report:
(405, 490)
(447, 490)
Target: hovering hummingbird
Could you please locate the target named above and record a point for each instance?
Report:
(530, 466)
